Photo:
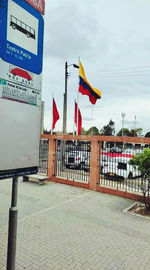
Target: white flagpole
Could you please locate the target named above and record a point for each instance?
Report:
(78, 105)
(77, 111)
(52, 115)
(74, 125)
(92, 116)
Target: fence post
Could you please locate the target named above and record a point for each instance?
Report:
(94, 164)
(51, 157)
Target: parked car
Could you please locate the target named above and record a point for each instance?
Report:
(76, 159)
(86, 163)
(119, 168)
(112, 165)
(81, 160)
(128, 151)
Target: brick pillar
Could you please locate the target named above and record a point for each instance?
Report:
(94, 164)
(51, 158)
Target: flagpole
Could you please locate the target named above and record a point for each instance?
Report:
(74, 125)
(92, 116)
(52, 115)
(78, 106)
(77, 112)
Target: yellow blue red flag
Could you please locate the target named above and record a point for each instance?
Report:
(85, 88)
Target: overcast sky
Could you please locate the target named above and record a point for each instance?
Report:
(112, 40)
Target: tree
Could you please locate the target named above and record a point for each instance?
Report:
(46, 131)
(142, 163)
(93, 130)
(109, 129)
(130, 133)
(83, 131)
(136, 132)
(133, 133)
(147, 134)
(124, 132)
(139, 132)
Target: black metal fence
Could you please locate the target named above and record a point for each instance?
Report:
(72, 160)
(43, 156)
(116, 172)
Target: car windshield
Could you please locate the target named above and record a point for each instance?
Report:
(116, 150)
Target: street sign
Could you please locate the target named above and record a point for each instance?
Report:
(21, 35)
(20, 101)
(37, 4)
(21, 56)
(19, 85)
(19, 138)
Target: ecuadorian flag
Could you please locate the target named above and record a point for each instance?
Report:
(85, 88)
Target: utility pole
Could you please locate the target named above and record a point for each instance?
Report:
(65, 97)
(135, 126)
(65, 101)
(123, 116)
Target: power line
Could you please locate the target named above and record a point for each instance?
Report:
(118, 74)
(123, 76)
(124, 68)
(121, 72)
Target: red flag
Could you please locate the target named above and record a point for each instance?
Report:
(79, 119)
(55, 114)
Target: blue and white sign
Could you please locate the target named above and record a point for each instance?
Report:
(21, 35)
(19, 85)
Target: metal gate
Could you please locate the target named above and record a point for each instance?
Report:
(43, 156)
(73, 160)
(116, 172)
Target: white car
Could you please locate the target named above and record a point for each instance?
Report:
(120, 168)
(86, 163)
(75, 159)
(81, 160)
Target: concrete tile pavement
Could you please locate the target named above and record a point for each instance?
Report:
(62, 227)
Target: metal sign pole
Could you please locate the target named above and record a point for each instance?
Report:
(12, 230)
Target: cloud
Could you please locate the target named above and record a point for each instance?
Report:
(87, 119)
(112, 40)
(72, 30)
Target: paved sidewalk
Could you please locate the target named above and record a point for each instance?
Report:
(66, 228)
